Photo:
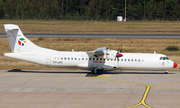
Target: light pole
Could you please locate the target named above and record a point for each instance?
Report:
(144, 9)
(125, 11)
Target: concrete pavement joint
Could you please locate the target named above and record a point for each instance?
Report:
(129, 96)
(69, 93)
(143, 100)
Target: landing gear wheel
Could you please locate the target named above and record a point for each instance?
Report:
(96, 71)
(166, 72)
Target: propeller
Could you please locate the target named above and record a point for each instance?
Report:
(121, 48)
(118, 54)
(116, 58)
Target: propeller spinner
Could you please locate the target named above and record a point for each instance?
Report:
(119, 55)
(119, 52)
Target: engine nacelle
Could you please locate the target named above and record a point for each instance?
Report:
(111, 54)
(106, 53)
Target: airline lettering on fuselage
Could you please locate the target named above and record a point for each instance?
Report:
(57, 62)
(99, 61)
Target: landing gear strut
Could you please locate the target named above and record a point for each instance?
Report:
(165, 71)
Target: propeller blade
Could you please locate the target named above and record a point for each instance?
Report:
(121, 48)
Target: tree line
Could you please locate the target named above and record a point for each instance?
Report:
(90, 9)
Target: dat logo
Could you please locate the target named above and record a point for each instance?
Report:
(21, 41)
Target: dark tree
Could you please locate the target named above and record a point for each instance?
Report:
(89, 9)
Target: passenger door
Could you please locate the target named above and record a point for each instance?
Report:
(48, 60)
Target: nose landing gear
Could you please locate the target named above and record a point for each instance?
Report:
(165, 71)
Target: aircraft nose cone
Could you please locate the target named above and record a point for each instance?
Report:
(175, 65)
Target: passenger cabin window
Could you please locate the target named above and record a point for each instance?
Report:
(121, 59)
(68, 58)
(96, 58)
(93, 58)
(82, 58)
(86, 58)
(64, 58)
(100, 59)
(79, 59)
(128, 59)
(75, 58)
(124, 59)
(89, 58)
(135, 60)
(71, 58)
(61, 58)
(131, 59)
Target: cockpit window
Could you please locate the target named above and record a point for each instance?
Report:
(164, 58)
(167, 58)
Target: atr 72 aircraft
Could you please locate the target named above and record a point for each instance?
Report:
(99, 60)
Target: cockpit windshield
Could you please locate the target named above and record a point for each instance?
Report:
(164, 58)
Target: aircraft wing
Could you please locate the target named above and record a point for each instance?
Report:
(90, 53)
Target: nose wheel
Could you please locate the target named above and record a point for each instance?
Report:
(165, 71)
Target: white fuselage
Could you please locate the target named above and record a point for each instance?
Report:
(140, 61)
(96, 61)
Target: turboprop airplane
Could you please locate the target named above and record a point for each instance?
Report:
(99, 60)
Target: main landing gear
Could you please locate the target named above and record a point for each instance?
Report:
(97, 70)
(165, 71)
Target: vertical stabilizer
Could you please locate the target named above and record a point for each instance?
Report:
(18, 42)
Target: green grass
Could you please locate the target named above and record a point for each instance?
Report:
(56, 26)
(172, 48)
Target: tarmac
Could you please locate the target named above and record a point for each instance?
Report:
(82, 89)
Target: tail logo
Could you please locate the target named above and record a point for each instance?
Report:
(21, 41)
